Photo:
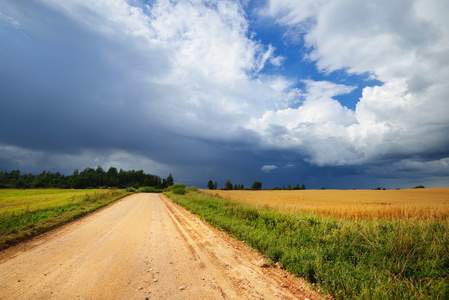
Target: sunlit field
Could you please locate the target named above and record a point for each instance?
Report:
(25, 213)
(15, 200)
(351, 244)
(427, 204)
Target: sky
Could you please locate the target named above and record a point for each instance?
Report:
(339, 94)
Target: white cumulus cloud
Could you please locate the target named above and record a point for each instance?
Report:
(268, 168)
(405, 45)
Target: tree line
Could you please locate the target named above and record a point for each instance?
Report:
(88, 178)
(257, 185)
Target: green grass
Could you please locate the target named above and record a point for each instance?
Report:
(26, 213)
(362, 259)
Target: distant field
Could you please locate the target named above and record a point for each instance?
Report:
(428, 204)
(28, 212)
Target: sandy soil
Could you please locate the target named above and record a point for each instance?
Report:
(143, 246)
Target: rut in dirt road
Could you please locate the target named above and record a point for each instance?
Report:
(143, 246)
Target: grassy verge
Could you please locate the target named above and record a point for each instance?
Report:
(350, 259)
(27, 213)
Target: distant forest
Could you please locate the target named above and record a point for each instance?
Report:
(88, 178)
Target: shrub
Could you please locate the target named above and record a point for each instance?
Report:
(178, 188)
(192, 189)
(149, 189)
(179, 191)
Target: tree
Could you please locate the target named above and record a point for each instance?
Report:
(257, 185)
(210, 185)
(169, 181)
(228, 185)
(14, 177)
(99, 170)
(87, 178)
(215, 185)
(112, 177)
(99, 177)
(112, 172)
(74, 180)
(239, 187)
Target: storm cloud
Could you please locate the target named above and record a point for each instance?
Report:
(190, 88)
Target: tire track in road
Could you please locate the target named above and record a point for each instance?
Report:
(234, 262)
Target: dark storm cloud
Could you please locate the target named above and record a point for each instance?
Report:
(179, 87)
(68, 89)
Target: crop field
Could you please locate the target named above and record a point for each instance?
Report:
(349, 244)
(25, 213)
(427, 204)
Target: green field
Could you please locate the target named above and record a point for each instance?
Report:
(26, 213)
(349, 259)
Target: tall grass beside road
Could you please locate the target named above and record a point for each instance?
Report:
(26, 213)
(350, 259)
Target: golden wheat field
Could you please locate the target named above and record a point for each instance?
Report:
(425, 204)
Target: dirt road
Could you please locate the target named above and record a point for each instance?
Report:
(143, 246)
